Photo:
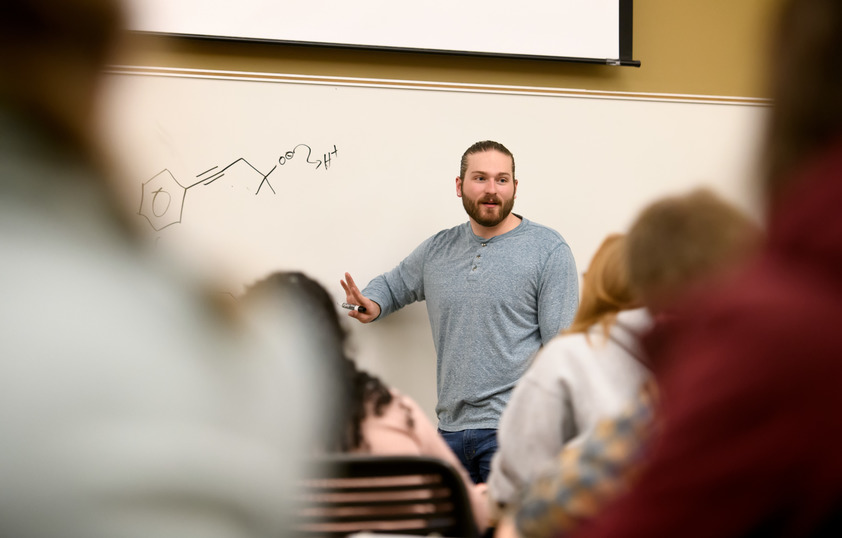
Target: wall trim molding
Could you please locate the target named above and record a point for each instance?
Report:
(431, 85)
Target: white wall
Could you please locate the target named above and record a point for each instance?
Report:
(585, 167)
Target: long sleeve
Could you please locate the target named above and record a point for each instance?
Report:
(558, 295)
(401, 286)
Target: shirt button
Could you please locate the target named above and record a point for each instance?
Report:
(474, 268)
(485, 244)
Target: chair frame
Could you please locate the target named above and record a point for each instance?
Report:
(419, 495)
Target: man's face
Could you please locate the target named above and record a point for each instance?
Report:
(488, 188)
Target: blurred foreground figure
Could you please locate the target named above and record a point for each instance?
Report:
(128, 405)
(749, 444)
(677, 244)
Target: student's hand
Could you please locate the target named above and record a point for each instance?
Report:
(506, 528)
(354, 296)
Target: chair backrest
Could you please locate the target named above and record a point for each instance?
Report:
(417, 495)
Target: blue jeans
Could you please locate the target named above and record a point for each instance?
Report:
(474, 449)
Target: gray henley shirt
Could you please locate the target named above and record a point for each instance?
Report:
(492, 303)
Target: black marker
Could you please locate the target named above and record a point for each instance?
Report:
(358, 308)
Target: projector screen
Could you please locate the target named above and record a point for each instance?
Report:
(575, 30)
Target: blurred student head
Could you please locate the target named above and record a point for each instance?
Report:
(678, 243)
(54, 54)
(605, 287)
(806, 89)
(296, 292)
(350, 390)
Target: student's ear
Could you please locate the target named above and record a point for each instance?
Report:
(515, 190)
(459, 186)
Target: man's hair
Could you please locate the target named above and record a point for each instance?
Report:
(479, 147)
(678, 242)
(605, 287)
(806, 88)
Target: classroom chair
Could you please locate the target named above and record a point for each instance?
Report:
(412, 495)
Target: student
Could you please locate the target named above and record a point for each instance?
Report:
(370, 418)
(592, 370)
(749, 443)
(676, 245)
(129, 406)
(497, 288)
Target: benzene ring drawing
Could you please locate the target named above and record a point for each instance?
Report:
(162, 200)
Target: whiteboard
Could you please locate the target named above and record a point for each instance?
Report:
(543, 28)
(328, 177)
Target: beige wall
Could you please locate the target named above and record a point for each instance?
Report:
(689, 47)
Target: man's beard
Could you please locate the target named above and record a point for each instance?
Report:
(478, 213)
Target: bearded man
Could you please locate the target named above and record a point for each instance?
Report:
(497, 288)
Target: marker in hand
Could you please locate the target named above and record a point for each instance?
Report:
(354, 307)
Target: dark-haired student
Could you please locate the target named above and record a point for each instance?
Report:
(367, 417)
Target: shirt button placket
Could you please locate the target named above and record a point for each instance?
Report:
(476, 262)
(477, 258)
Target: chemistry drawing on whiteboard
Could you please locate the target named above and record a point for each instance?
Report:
(163, 196)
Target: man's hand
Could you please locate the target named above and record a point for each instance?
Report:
(354, 296)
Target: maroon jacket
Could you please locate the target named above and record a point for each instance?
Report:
(751, 385)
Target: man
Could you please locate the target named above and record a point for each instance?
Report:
(497, 288)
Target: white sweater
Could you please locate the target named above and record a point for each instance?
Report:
(573, 382)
